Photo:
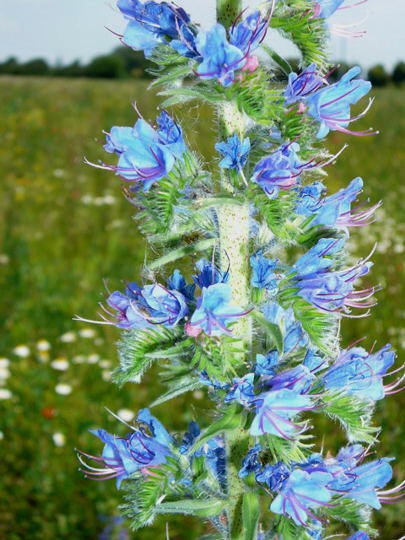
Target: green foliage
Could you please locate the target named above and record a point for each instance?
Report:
(142, 495)
(293, 20)
(134, 347)
(351, 513)
(273, 332)
(288, 530)
(181, 385)
(288, 451)
(250, 515)
(355, 417)
(106, 67)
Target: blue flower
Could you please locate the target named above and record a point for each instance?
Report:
(214, 311)
(360, 535)
(313, 361)
(360, 373)
(235, 152)
(303, 85)
(334, 210)
(298, 378)
(319, 258)
(263, 275)
(150, 24)
(251, 462)
(294, 335)
(274, 411)
(275, 476)
(278, 171)
(331, 105)
(326, 8)
(140, 451)
(242, 391)
(249, 33)
(330, 291)
(301, 493)
(361, 483)
(220, 59)
(177, 282)
(209, 274)
(265, 364)
(146, 155)
(144, 307)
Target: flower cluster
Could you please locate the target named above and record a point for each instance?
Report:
(274, 361)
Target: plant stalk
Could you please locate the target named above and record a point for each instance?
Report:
(234, 229)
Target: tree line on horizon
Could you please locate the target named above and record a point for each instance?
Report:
(124, 63)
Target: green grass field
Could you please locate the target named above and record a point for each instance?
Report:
(65, 228)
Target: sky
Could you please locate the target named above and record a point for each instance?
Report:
(65, 30)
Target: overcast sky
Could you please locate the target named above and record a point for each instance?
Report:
(63, 30)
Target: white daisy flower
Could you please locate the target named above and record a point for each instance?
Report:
(5, 393)
(68, 337)
(60, 364)
(22, 351)
(43, 345)
(87, 333)
(59, 439)
(63, 389)
(126, 415)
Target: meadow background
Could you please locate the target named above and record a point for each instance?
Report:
(65, 227)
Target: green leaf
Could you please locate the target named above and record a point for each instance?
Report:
(355, 417)
(281, 62)
(202, 245)
(172, 74)
(250, 515)
(186, 384)
(195, 92)
(194, 507)
(232, 418)
(272, 330)
(353, 514)
(134, 347)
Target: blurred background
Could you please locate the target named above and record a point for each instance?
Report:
(66, 227)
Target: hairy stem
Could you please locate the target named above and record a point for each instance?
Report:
(234, 225)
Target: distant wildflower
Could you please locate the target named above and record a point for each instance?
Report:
(93, 358)
(63, 389)
(235, 152)
(274, 411)
(5, 394)
(68, 337)
(331, 105)
(220, 59)
(126, 415)
(301, 493)
(105, 364)
(146, 448)
(151, 24)
(4, 362)
(303, 85)
(87, 333)
(146, 155)
(214, 310)
(22, 351)
(59, 439)
(360, 373)
(4, 373)
(60, 364)
(43, 345)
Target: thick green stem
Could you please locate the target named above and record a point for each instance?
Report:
(234, 225)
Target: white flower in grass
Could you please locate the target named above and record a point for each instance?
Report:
(22, 351)
(43, 356)
(98, 341)
(43, 345)
(106, 375)
(4, 362)
(105, 364)
(60, 364)
(87, 333)
(126, 415)
(59, 439)
(63, 389)
(79, 359)
(1, 435)
(4, 373)
(5, 393)
(93, 358)
(68, 337)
